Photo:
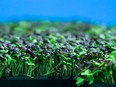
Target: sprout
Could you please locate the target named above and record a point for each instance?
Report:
(86, 54)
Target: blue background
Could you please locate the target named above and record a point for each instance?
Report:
(97, 11)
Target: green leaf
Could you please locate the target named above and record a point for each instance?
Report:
(89, 75)
(9, 59)
(3, 51)
(30, 63)
(97, 63)
(111, 56)
(79, 81)
(18, 45)
(32, 39)
(90, 79)
(87, 72)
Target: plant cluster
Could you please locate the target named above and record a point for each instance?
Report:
(84, 52)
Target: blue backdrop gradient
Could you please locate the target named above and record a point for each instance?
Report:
(98, 11)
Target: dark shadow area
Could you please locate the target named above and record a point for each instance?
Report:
(37, 83)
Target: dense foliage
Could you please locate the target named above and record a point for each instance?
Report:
(83, 51)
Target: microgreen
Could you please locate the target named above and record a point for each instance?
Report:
(83, 51)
